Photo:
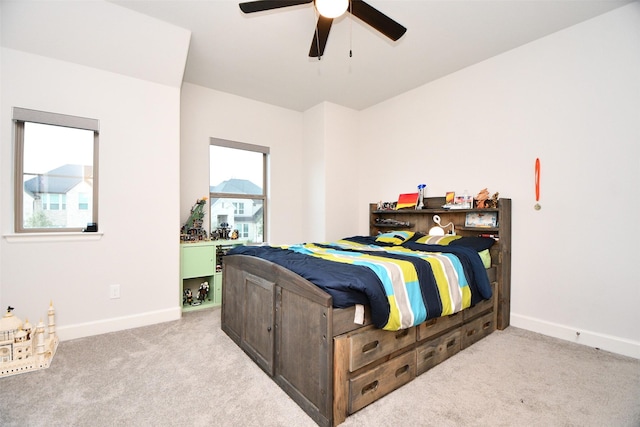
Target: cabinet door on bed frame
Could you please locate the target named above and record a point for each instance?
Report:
(248, 315)
(258, 333)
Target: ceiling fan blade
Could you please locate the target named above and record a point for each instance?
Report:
(320, 37)
(377, 19)
(262, 5)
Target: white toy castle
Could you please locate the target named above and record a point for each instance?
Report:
(23, 348)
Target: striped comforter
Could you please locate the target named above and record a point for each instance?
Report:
(403, 285)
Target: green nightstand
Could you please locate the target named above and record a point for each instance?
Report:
(202, 262)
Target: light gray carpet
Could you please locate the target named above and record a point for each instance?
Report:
(189, 373)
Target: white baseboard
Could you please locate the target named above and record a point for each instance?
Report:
(115, 324)
(610, 343)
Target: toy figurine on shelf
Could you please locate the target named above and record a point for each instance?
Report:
(483, 201)
(223, 231)
(192, 229)
(187, 298)
(203, 291)
(422, 189)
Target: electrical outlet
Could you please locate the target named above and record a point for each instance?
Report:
(114, 291)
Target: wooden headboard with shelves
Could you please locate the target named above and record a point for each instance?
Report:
(421, 220)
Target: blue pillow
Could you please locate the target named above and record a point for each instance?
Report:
(478, 243)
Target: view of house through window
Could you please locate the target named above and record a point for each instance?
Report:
(237, 186)
(55, 182)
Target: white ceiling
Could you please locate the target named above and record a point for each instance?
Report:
(264, 56)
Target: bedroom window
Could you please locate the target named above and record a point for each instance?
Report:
(55, 171)
(238, 189)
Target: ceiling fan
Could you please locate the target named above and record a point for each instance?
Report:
(357, 8)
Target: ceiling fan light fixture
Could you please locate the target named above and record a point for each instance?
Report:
(332, 8)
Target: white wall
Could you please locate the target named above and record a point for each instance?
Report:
(138, 201)
(331, 174)
(208, 113)
(341, 172)
(573, 100)
(136, 98)
(314, 183)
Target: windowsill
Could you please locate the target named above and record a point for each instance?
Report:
(52, 237)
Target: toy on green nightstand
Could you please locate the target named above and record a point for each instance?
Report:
(192, 229)
(187, 298)
(203, 291)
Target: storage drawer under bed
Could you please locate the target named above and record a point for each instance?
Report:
(434, 327)
(377, 382)
(437, 350)
(478, 329)
(371, 344)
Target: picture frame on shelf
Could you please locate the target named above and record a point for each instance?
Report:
(449, 197)
(407, 200)
(463, 201)
(481, 219)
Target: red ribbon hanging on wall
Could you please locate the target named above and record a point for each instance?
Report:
(537, 175)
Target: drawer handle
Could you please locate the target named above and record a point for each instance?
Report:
(471, 332)
(402, 370)
(451, 343)
(401, 334)
(487, 325)
(370, 387)
(429, 355)
(370, 346)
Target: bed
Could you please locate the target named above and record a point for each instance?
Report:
(334, 353)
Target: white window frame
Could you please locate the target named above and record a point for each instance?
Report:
(22, 115)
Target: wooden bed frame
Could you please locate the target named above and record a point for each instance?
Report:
(329, 365)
